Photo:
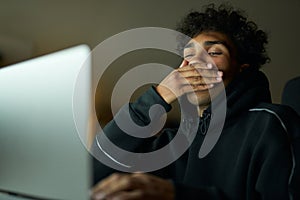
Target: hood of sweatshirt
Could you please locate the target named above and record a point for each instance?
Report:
(248, 89)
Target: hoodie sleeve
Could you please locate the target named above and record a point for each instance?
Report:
(183, 192)
(272, 171)
(133, 118)
(272, 167)
(282, 156)
(138, 112)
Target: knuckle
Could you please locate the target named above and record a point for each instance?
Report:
(127, 182)
(116, 176)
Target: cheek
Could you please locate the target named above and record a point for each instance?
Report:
(222, 64)
(229, 69)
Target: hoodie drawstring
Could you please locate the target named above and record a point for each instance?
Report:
(204, 123)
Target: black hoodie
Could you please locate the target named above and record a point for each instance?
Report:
(252, 159)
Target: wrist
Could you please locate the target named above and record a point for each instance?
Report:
(166, 94)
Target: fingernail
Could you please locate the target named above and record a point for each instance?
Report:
(191, 63)
(209, 65)
(220, 73)
(99, 196)
(194, 62)
(219, 79)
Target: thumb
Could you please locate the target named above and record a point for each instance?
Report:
(184, 63)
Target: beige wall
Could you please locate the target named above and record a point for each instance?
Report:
(52, 25)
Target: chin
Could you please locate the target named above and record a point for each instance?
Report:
(199, 98)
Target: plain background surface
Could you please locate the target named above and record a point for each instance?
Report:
(53, 25)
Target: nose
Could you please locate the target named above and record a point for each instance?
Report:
(197, 55)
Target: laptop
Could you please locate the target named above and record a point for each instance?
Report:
(42, 155)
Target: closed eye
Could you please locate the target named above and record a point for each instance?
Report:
(215, 53)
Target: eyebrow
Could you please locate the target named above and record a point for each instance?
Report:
(189, 45)
(207, 43)
(210, 43)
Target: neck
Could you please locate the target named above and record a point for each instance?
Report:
(201, 110)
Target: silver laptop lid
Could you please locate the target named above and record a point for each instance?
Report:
(41, 153)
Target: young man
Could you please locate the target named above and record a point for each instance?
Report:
(253, 157)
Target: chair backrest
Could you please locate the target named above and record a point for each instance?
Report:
(291, 94)
(291, 98)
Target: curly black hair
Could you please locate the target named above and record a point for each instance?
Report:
(250, 42)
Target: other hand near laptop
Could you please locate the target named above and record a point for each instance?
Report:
(120, 186)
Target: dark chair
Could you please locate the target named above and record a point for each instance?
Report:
(291, 94)
(291, 98)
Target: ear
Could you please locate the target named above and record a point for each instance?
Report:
(244, 66)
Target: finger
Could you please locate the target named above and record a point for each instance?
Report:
(105, 182)
(184, 63)
(121, 183)
(112, 184)
(202, 65)
(127, 195)
(155, 187)
(152, 180)
(194, 88)
(192, 66)
(202, 87)
(203, 80)
(208, 72)
(201, 72)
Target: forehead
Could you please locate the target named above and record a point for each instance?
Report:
(209, 39)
